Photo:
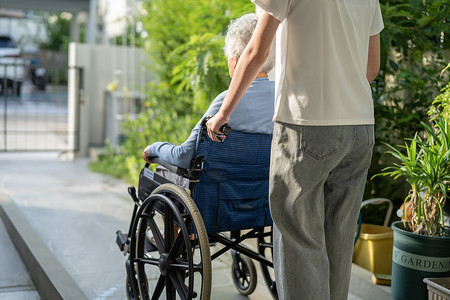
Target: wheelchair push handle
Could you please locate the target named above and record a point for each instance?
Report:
(226, 129)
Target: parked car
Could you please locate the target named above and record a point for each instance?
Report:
(12, 68)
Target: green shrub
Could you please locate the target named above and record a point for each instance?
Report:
(414, 49)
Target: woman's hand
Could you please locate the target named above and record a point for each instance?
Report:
(145, 155)
(214, 124)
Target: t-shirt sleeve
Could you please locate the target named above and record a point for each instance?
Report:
(377, 24)
(277, 8)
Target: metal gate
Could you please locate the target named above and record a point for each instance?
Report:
(34, 114)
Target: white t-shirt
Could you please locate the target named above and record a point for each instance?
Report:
(322, 52)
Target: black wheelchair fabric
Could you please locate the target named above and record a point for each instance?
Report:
(233, 192)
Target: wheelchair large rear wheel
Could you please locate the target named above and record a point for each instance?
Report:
(180, 268)
(265, 248)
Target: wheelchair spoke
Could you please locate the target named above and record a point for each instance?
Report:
(196, 267)
(170, 289)
(148, 261)
(159, 288)
(178, 283)
(168, 227)
(176, 247)
(245, 279)
(183, 265)
(244, 273)
(156, 234)
(180, 265)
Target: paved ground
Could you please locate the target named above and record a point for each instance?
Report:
(73, 214)
(76, 213)
(15, 282)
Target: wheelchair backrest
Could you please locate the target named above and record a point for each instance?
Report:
(232, 193)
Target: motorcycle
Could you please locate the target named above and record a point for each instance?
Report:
(39, 76)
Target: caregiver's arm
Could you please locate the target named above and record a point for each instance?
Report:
(373, 61)
(248, 67)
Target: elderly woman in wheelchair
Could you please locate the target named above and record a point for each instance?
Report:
(221, 188)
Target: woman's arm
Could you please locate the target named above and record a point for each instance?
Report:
(248, 67)
(373, 62)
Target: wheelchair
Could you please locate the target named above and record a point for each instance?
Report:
(226, 204)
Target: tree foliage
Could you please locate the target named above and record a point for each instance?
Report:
(57, 28)
(185, 42)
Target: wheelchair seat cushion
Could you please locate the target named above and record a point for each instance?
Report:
(232, 193)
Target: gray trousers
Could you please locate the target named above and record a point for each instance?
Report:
(317, 179)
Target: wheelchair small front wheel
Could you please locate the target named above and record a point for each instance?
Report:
(243, 272)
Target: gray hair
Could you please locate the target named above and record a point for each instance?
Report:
(239, 34)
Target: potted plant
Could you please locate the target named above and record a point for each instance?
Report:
(422, 241)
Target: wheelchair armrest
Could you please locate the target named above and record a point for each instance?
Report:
(197, 167)
(172, 168)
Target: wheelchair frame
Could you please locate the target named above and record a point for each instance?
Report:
(180, 270)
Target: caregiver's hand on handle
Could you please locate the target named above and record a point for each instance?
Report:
(215, 126)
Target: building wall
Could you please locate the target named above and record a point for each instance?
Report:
(103, 66)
